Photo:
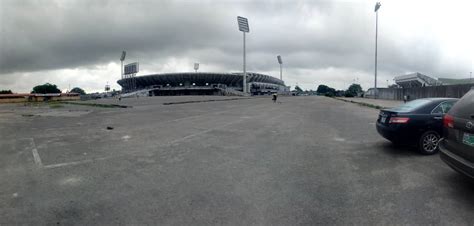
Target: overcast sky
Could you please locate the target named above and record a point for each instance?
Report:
(78, 43)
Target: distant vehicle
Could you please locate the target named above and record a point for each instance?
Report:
(457, 146)
(418, 122)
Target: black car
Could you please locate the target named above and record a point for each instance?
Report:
(418, 122)
(457, 146)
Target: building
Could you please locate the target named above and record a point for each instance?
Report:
(202, 83)
(416, 80)
(451, 81)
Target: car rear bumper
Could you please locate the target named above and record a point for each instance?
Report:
(456, 162)
(396, 134)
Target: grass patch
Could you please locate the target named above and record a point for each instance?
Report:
(56, 105)
(97, 105)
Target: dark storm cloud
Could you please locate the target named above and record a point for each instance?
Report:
(46, 35)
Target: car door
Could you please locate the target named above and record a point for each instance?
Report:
(437, 115)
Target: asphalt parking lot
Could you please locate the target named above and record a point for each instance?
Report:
(306, 160)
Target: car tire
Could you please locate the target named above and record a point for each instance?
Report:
(428, 144)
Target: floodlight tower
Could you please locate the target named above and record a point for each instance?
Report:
(376, 10)
(280, 62)
(196, 67)
(122, 58)
(244, 28)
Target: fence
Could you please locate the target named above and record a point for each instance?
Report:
(455, 91)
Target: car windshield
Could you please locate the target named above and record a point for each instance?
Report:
(411, 106)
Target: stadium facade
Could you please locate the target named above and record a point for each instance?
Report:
(202, 83)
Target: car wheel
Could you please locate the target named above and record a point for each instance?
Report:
(428, 144)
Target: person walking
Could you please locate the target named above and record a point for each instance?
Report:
(274, 97)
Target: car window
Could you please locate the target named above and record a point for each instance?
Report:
(411, 106)
(443, 108)
(464, 108)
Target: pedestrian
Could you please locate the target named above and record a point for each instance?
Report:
(404, 98)
(274, 97)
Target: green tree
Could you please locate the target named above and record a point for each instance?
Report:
(326, 90)
(6, 92)
(353, 90)
(78, 90)
(46, 88)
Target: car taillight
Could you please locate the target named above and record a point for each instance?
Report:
(448, 121)
(399, 120)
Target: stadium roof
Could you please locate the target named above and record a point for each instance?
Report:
(199, 78)
(416, 80)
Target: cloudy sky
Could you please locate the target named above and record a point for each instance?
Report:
(78, 43)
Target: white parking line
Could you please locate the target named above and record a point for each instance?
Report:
(36, 155)
(174, 142)
(52, 166)
(78, 162)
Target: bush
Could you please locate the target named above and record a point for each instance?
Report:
(348, 94)
(329, 94)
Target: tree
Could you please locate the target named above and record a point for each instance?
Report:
(6, 92)
(353, 90)
(326, 90)
(46, 88)
(78, 90)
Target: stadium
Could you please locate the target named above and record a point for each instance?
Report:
(202, 83)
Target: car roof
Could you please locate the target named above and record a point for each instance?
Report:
(438, 98)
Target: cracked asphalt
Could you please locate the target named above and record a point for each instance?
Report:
(306, 161)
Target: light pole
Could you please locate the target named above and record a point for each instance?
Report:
(244, 28)
(281, 63)
(196, 67)
(470, 76)
(377, 7)
(122, 58)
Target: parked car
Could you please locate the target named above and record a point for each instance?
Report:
(457, 146)
(418, 122)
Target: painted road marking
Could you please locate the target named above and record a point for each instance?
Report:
(36, 155)
(52, 166)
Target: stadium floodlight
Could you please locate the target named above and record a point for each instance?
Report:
(376, 10)
(122, 58)
(280, 62)
(196, 67)
(377, 6)
(244, 28)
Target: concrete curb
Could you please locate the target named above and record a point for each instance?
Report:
(378, 107)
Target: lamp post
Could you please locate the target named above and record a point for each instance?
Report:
(281, 63)
(196, 67)
(376, 10)
(122, 58)
(244, 28)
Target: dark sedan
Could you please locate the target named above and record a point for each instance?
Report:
(418, 122)
(457, 147)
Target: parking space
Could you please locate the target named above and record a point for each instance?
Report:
(306, 160)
